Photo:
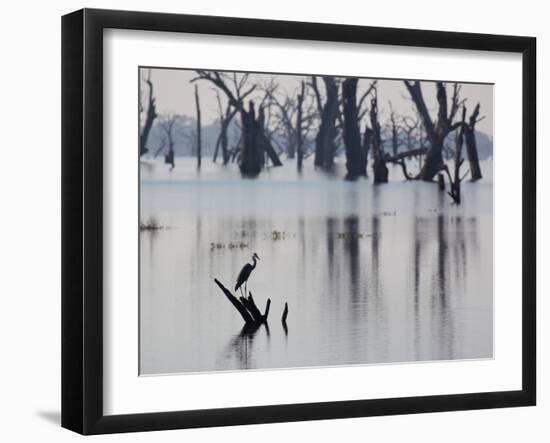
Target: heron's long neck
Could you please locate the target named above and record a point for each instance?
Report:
(253, 264)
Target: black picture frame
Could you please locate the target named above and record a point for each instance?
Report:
(82, 220)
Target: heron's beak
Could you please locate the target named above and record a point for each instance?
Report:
(257, 256)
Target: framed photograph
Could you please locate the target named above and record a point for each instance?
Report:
(270, 221)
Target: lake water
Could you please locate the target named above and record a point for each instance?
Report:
(372, 274)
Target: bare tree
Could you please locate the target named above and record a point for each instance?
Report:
(199, 140)
(286, 108)
(293, 117)
(379, 167)
(325, 145)
(168, 124)
(471, 144)
(299, 139)
(455, 181)
(149, 117)
(394, 131)
(356, 159)
(409, 128)
(357, 147)
(438, 131)
(226, 117)
(254, 142)
(161, 147)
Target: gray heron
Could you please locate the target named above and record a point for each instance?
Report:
(245, 273)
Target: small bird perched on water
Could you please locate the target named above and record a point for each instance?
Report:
(245, 273)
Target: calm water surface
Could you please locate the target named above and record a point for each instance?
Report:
(392, 273)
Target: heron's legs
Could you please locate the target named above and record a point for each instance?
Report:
(245, 288)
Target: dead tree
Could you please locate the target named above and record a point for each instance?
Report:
(168, 124)
(263, 138)
(438, 131)
(394, 129)
(367, 143)
(160, 148)
(325, 145)
(356, 159)
(413, 136)
(299, 139)
(246, 306)
(251, 156)
(284, 317)
(471, 145)
(226, 117)
(455, 180)
(368, 134)
(379, 167)
(199, 141)
(254, 142)
(149, 118)
(266, 119)
(286, 122)
(294, 117)
(409, 127)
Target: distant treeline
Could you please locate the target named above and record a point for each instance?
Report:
(185, 139)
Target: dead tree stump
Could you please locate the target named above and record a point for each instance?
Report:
(246, 306)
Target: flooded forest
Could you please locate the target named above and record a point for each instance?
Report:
(292, 221)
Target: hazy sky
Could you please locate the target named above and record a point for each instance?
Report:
(175, 94)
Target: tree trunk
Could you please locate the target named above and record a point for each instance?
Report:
(246, 307)
(149, 119)
(394, 141)
(471, 145)
(264, 144)
(251, 160)
(455, 191)
(433, 162)
(299, 141)
(325, 146)
(355, 158)
(367, 144)
(291, 147)
(255, 144)
(169, 157)
(225, 120)
(379, 167)
(224, 143)
(394, 132)
(471, 148)
(223, 140)
(199, 141)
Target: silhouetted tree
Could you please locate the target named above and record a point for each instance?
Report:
(379, 167)
(471, 145)
(168, 124)
(455, 180)
(325, 146)
(356, 159)
(254, 142)
(199, 139)
(438, 131)
(226, 117)
(149, 118)
(394, 131)
(299, 144)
